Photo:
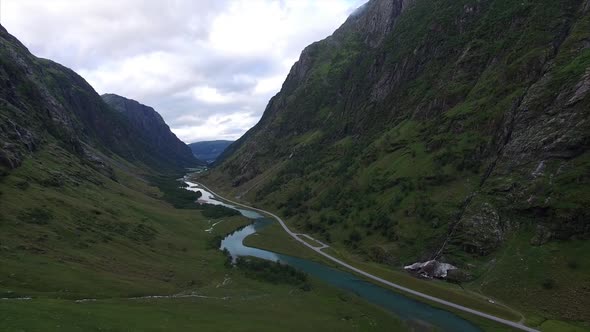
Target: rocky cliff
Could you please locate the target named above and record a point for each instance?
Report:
(432, 130)
(43, 102)
(155, 132)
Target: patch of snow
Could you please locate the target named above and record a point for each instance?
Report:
(539, 170)
(431, 269)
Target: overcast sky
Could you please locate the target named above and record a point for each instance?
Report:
(208, 66)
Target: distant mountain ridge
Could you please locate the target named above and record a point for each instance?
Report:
(155, 131)
(209, 151)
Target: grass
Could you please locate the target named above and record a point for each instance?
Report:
(273, 272)
(560, 326)
(92, 237)
(554, 284)
(309, 241)
(274, 238)
(255, 307)
(174, 193)
(279, 242)
(383, 170)
(440, 289)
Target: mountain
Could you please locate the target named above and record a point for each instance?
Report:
(43, 101)
(209, 150)
(92, 217)
(155, 132)
(449, 130)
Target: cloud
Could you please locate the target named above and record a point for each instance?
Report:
(208, 66)
(228, 126)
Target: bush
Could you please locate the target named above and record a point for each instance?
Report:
(179, 197)
(216, 211)
(548, 284)
(214, 242)
(273, 272)
(22, 185)
(228, 258)
(55, 180)
(142, 232)
(37, 216)
(355, 236)
(573, 264)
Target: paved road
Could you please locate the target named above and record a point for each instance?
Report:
(376, 278)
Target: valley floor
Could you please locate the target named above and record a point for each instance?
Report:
(117, 243)
(274, 238)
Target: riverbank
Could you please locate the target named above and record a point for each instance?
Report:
(273, 238)
(456, 307)
(115, 257)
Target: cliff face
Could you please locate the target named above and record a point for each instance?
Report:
(433, 129)
(43, 102)
(155, 132)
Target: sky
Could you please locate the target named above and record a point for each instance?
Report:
(208, 67)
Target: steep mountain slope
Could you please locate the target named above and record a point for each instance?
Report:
(209, 150)
(156, 133)
(71, 184)
(456, 130)
(84, 236)
(42, 101)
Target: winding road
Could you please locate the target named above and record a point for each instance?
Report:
(296, 236)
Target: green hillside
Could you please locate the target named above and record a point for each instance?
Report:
(455, 130)
(96, 235)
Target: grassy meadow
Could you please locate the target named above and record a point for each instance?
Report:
(69, 233)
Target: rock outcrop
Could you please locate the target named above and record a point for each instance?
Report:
(430, 269)
(155, 132)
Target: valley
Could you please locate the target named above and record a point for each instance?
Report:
(440, 131)
(424, 167)
(114, 271)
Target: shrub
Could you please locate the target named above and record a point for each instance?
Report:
(355, 236)
(142, 232)
(216, 211)
(55, 180)
(37, 216)
(548, 283)
(215, 242)
(22, 185)
(273, 272)
(228, 258)
(573, 264)
(179, 197)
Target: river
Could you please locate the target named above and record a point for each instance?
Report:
(403, 307)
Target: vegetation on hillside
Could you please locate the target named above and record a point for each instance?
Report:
(87, 243)
(462, 136)
(111, 242)
(174, 192)
(273, 272)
